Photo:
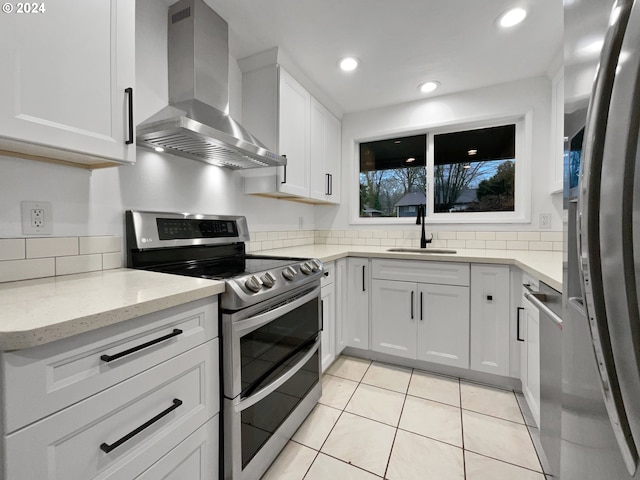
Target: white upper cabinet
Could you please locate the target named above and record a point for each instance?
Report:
(67, 82)
(284, 116)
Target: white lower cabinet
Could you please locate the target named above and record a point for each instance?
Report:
(341, 305)
(490, 298)
(529, 327)
(357, 311)
(328, 302)
(421, 321)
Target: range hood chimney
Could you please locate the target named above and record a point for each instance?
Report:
(195, 124)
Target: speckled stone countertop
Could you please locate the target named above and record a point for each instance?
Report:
(545, 266)
(34, 312)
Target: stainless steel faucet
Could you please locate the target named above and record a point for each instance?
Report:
(420, 221)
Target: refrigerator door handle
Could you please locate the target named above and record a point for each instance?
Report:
(595, 259)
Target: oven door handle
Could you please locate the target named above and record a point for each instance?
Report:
(243, 327)
(273, 386)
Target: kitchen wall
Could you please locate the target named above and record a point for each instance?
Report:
(496, 101)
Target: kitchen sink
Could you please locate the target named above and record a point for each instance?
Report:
(420, 250)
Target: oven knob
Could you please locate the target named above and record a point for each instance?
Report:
(306, 268)
(269, 279)
(253, 283)
(289, 273)
(316, 265)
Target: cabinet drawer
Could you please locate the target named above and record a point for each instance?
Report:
(69, 444)
(329, 274)
(443, 273)
(47, 378)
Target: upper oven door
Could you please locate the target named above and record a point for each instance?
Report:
(264, 342)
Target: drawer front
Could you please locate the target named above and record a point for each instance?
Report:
(329, 274)
(69, 444)
(50, 377)
(442, 273)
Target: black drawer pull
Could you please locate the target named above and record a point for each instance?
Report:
(105, 447)
(111, 358)
(129, 92)
(518, 325)
(490, 297)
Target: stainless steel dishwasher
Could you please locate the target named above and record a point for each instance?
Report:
(549, 303)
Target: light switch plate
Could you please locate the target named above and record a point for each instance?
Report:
(37, 218)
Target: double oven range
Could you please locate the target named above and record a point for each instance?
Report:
(270, 322)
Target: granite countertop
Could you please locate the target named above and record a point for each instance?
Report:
(34, 312)
(545, 266)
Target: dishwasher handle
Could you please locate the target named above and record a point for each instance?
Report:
(537, 299)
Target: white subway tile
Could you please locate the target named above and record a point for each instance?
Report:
(374, 242)
(388, 242)
(541, 246)
(439, 243)
(465, 235)
(332, 241)
(412, 233)
(359, 241)
(321, 241)
(260, 236)
(403, 242)
(283, 235)
(485, 235)
(447, 235)
(13, 270)
(337, 234)
(345, 241)
(506, 235)
(529, 236)
(267, 244)
(12, 248)
(558, 246)
(351, 234)
(272, 235)
(292, 234)
(78, 264)
(282, 243)
(475, 244)
(111, 260)
(380, 234)
(101, 244)
(254, 246)
(395, 234)
(496, 244)
(365, 233)
(517, 245)
(456, 243)
(51, 247)
(322, 233)
(551, 236)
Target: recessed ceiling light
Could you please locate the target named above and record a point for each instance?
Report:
(159, 149)
(410, 160)
(512, 17)
(472, 152)
(429, 86)
(349, 64)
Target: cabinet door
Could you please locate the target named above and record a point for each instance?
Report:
(328, 348)
(357, 319)
(531, 389)
(65, 75)
(295, 103)
(341, 305)
(333, 152)
(490, 319)
(325, 154)
(443, 325)
(394, 317)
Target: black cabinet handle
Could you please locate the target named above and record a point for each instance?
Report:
(105, 447)
(421, 312)
(111, 358)
(518, 325)
(326, 274)
(284, 179)
(322, 315)
(363, 289)
(490, 297)
(129, 92)
(327, 190)
(330, 184)
(411, 304)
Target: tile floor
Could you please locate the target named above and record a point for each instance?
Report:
(377, 421)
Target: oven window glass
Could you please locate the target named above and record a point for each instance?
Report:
(262, 419)
(270, 351)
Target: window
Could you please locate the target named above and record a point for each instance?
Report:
(474, 175)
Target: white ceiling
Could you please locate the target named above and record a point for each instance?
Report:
(400, 43)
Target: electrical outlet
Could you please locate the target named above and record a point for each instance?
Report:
(545, 220)
(37, 218)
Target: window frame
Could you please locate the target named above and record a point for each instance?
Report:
(523, 158)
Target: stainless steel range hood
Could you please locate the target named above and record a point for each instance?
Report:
(194, 125)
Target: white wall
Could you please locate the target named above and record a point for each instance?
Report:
(93, 202)
(505, 100)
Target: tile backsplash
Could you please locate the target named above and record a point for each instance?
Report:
(26, 258)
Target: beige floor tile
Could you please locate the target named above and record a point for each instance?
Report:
(377, 404)
(484, 468)
(315, 429)
(490, 401)
(361, 442)
(432, 419)
(435, 387)
(388, 376)
(416, 458)
(351, 368)
(336, 391)
(500, 439)
(292, 463)
(328, 468)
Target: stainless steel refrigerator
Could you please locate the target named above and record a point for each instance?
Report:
(601, 321)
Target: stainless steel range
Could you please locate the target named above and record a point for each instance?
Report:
(270, 322)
